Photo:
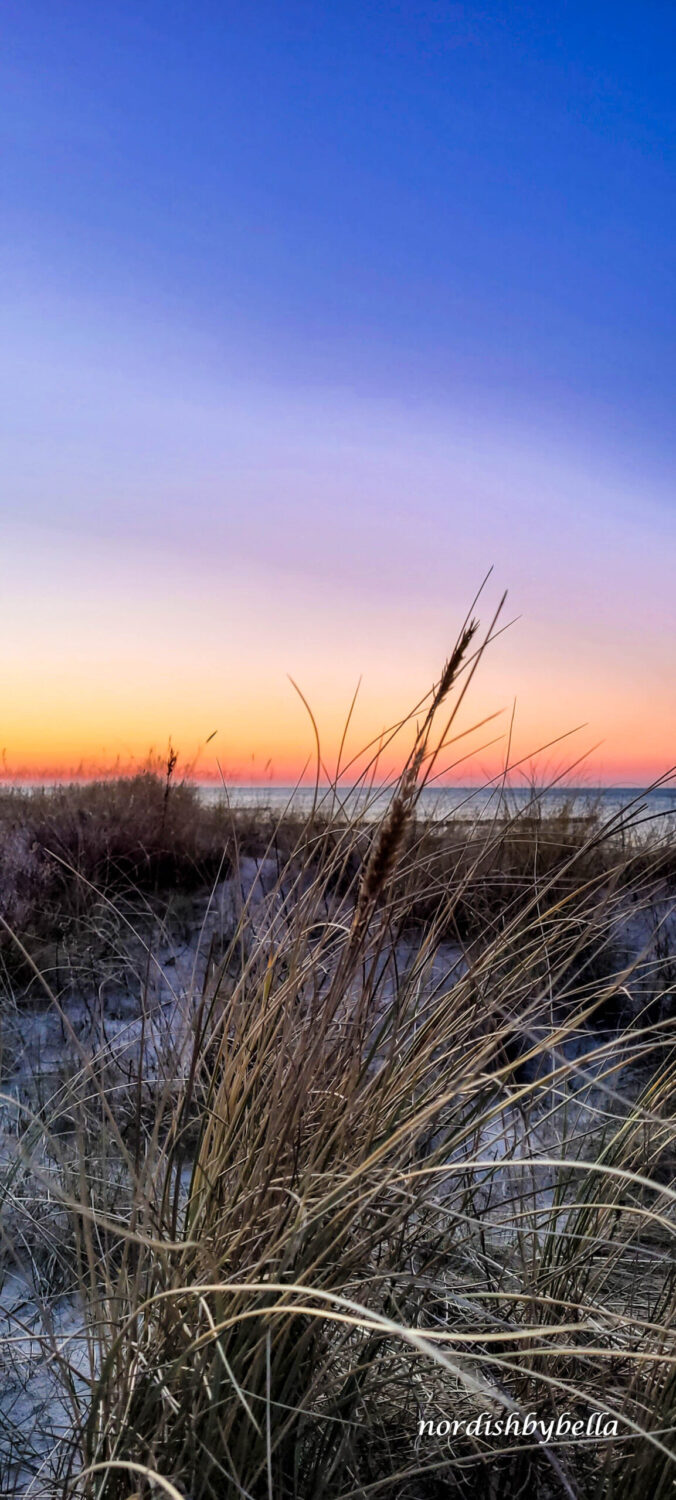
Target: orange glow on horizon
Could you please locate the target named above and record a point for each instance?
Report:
(116, 650)
(263, 767)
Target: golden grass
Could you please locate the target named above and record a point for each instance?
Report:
(376, 1182)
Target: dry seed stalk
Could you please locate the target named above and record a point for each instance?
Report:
(383, 854)
(453, 666)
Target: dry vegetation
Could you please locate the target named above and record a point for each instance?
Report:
(403, 1151)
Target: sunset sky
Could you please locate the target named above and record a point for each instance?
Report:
(312, 313)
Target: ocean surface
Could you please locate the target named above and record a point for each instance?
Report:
(622, 803)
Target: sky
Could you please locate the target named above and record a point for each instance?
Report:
(311, 315)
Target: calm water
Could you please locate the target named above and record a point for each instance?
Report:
(655, 807)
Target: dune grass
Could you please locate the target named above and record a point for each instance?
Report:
(398, 1163)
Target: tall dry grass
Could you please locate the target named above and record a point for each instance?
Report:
(399, 1163)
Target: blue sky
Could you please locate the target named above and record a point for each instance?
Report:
(483, 194)
(269, 270)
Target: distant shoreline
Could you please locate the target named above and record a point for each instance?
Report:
(492, 789)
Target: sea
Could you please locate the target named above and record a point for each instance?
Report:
(624, 805)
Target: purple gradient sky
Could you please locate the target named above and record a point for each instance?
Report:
(310, 316)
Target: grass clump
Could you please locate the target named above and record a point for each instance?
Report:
(391, 1175)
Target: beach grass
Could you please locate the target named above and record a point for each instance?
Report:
(395, 1151)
